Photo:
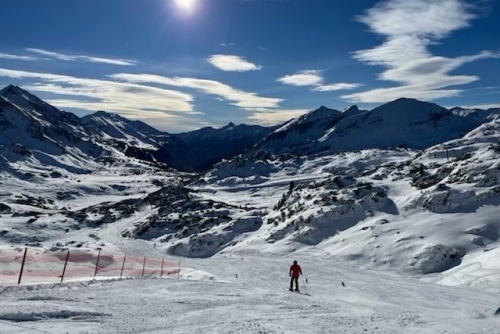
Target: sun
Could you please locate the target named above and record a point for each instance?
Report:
(186, 5)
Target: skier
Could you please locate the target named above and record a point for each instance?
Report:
(295, 272)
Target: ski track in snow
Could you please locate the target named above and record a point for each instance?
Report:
(110, 234)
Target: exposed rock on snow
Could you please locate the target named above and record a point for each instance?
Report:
(435, 258)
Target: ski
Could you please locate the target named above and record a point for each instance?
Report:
(299, 292)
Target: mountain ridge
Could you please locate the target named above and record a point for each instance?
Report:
(400, 123)
(409, 123)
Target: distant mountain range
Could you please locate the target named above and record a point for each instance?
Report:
(402, 123)
(30, 126)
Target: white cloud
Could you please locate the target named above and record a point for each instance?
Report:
(410, 26)
(17, 57)
(303, 78)
(337, 86)
(87, 59)
(239, 98)
(232, 63)
(264, 110)
(132, 100)
(273, 117)
(412, 91)
(140, 96)
(315, 78)
(434, 19)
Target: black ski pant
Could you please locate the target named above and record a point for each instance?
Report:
(296, 280)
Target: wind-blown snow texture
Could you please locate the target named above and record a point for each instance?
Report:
(408, 221)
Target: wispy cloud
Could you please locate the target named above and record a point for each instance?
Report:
(246, 100)
(263, 110)
(269, 117)
(315, 78)
(409, 27)
(82, 58)
(132, 100)
(338, 86)
(232, 63)
(142, 96)
(18, 57)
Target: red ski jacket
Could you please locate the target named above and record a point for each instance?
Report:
(295, 270)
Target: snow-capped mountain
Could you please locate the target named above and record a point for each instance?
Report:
(31, 129)
(139, 140)
(401, 123)
(301, 135)
(29, 123)
(32, 126)
(212, 145)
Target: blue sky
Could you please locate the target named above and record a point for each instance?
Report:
(179, 65)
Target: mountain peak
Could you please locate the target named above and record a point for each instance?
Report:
(12, 90)
(107, 115)
(17, 94)
(350, 109)
(410, 106)
(323, 111)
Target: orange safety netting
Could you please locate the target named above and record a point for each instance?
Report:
(41, 266)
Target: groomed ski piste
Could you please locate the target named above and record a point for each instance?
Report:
(246, 293)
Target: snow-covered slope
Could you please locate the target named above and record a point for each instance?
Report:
(401, 123)
(301, 135)
(139, 140)
(417, 212)
(39, 134)
(247, 294)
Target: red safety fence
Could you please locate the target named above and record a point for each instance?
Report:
(29, 265)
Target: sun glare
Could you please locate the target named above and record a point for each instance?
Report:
(186, 5)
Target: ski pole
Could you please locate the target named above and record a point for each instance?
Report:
(305, 285)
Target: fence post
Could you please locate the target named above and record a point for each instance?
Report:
(143, 267)
(22, 266)
(161, 271)
(123, 265)
(65, 264)
(97, 263)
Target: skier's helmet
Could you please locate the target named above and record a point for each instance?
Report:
(294, 262)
